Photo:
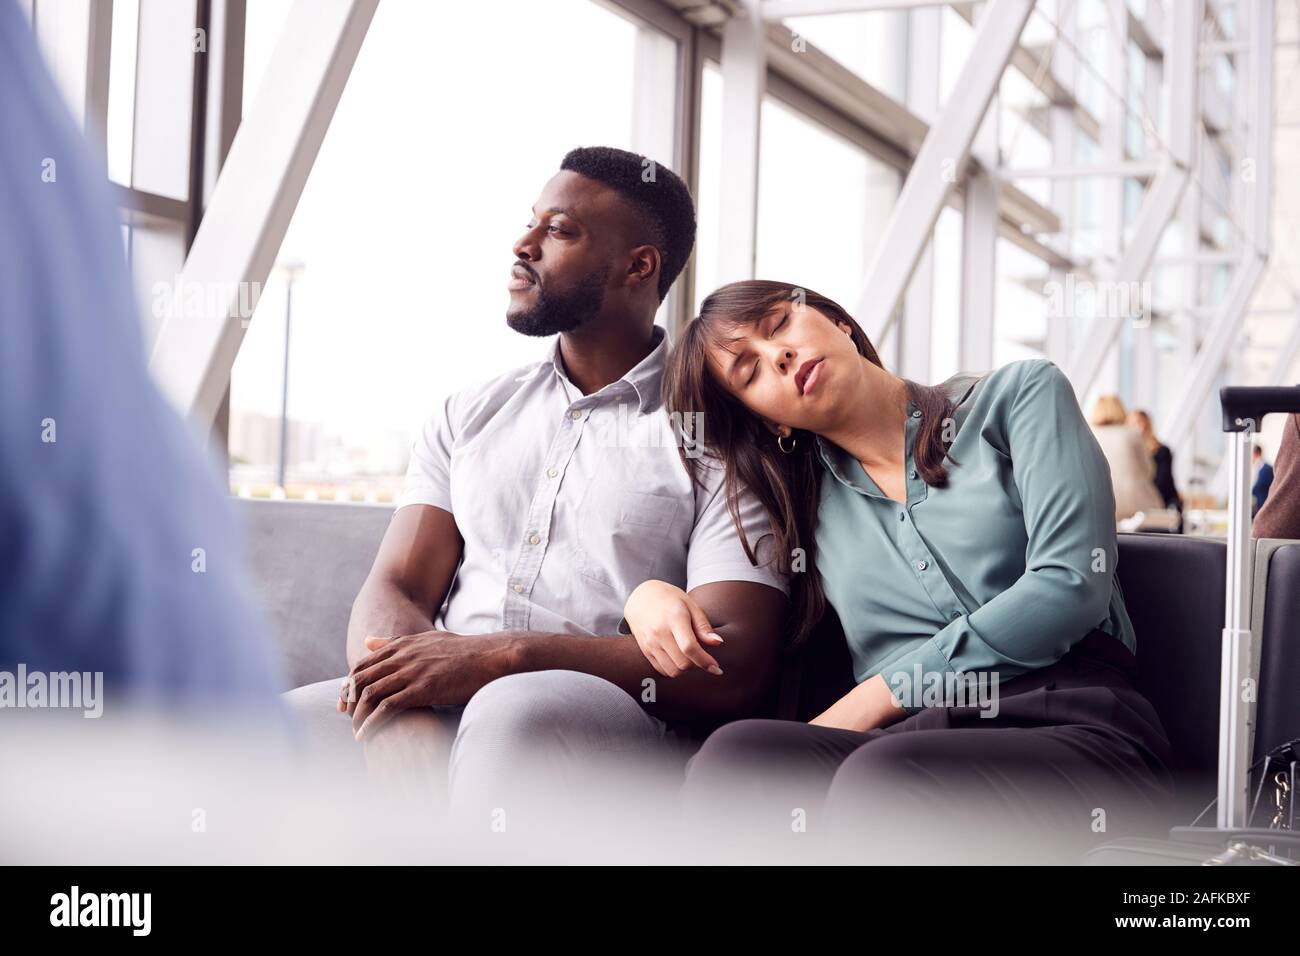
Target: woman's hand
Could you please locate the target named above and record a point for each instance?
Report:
(868, 706)
(669, 627)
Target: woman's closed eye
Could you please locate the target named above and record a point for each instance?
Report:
(754, 373)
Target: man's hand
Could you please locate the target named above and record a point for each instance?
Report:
(421, 670)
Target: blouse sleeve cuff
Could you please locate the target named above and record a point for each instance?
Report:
(909, 676)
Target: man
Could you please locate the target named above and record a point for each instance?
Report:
(488, 629)
(1263, 478)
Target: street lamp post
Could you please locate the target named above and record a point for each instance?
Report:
(291, 271)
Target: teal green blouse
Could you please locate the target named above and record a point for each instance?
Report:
(1003, 570)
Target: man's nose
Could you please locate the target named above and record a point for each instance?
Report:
(526, 247)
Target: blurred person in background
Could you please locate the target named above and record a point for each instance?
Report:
(1132, 470)
(1263, 478)
(117, 552)
(1279, 516)
(1163, 459)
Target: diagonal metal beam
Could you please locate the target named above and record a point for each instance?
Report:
(1158, 210)
(1161, 201)
(1228, 322)
(254, 200)
(942, 156)
(1286, 357)
(1209, 357)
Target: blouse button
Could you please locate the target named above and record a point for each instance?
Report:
(921, 565)
(912, 473)
(902, 516)
(916, 414)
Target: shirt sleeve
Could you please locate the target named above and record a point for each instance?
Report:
(1064, 486)
(715, 551)
(428, 474)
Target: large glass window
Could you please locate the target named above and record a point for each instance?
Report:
(1020, 322)
(945, 354)
(437, 151)
(822, 202)
(873, 45)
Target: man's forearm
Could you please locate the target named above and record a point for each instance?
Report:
(693, 695)
(382, 609)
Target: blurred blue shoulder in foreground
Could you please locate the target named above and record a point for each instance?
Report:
(118, 550)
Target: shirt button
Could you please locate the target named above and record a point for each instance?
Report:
(518, 589)
(551, 472)
(921, 565)
(956, 614)
(576, 413)
(534, 539)
(912, 473)
(916, 414)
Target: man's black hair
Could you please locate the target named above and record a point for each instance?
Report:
(658, 195)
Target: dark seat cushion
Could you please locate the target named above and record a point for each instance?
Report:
(1173, 588)
(1277, 719)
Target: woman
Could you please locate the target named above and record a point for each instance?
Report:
(1131, 469)
(1162, 459)
(960, 529)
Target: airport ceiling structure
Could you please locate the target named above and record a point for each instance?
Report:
(1127, 146)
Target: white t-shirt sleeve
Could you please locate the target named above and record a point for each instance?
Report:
(428, 475)
(716, 552)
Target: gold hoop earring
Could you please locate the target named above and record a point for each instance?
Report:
(780, 439)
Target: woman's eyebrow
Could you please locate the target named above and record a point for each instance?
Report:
(737, 355)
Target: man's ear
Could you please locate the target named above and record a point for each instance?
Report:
(644, 265)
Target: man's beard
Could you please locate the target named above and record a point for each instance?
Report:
(562, 312)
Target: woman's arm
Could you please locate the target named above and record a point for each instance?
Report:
(1063, 483)
(868, 706)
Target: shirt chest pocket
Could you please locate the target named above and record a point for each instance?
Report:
(621, 534)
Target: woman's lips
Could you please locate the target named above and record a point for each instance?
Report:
(810, 376)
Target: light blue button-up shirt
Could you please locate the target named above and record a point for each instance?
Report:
(1000, 572)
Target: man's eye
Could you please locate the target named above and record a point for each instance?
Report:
(752, 375)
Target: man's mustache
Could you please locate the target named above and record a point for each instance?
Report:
(520, 264)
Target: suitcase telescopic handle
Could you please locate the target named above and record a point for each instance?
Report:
(1244, 408)
(1243, 411)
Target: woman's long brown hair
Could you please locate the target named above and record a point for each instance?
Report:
(787, 485)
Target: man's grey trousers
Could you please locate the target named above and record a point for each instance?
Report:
(523, 741)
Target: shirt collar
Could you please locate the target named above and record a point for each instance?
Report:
(645, 377)
(845, 468)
